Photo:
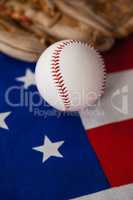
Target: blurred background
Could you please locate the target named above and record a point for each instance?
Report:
(27, 27)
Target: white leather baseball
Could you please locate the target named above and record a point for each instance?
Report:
(70, 75)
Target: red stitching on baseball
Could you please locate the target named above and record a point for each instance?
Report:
(56, 57)
(57, 75)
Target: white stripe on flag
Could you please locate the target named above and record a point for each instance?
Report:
(119, 193)
(116, 105)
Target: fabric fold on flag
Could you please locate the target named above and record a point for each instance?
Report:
(119, 193)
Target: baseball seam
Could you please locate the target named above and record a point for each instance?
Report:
(57, 75)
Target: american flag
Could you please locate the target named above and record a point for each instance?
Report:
(51, 155)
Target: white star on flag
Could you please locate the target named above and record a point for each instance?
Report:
(49, 149)
(28, 79)
(3, 117)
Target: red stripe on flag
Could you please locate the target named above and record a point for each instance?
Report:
(113, 145)
(121, 56)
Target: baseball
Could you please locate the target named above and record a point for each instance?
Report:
(70, 75)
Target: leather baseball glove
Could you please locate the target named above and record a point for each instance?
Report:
(27, 27)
